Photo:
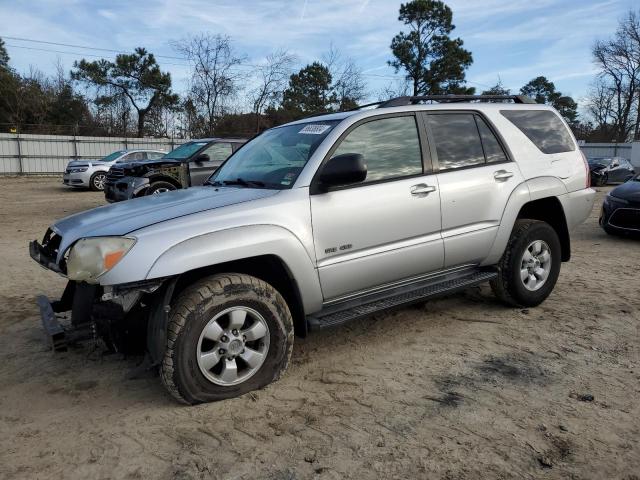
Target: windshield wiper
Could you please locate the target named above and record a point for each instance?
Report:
(244, 183)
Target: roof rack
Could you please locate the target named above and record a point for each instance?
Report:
(412, 100)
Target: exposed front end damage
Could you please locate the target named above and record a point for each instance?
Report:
(117, 317)
(125, 188)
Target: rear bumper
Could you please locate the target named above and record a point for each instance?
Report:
(125, 188)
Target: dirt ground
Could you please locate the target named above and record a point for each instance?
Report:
(458, 388)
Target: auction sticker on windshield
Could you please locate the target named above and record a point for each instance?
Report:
(315, 129)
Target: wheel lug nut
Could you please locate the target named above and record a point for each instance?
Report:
(235, 332)
(221, 351)
(224, 338)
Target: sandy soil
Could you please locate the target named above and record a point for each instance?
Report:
(459, 388)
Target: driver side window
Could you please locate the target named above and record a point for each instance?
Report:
(390, 147)
(218, 152)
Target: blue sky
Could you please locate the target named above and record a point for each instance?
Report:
(513, 40)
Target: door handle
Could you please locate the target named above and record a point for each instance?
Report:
(502, 175)
(422, 189)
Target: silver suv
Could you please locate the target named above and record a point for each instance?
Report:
(315, 223)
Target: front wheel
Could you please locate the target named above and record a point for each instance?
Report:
(228, 334)
(96, 182)
(530, 265)
(160, 187)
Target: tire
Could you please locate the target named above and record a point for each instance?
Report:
(96, 182)
(192, 318)
(160, 187)
(510, 286)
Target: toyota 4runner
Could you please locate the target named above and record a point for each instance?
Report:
(317, 222)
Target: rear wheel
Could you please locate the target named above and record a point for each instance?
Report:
(228, 334)
(96, 182)
(530, 266)
(160, 187)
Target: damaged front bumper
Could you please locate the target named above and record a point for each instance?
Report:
(111, 315)
(125, 188)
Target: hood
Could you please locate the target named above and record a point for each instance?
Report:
(78, 163)
(140, 167)
(629, 190)
(125, 217)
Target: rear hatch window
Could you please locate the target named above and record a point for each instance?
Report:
(544, 128)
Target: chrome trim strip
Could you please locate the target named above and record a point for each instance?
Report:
(399, 283)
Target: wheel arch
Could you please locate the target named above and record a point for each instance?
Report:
(269, 252)
(550, 210)
(269, 268)
(537, 199)
(164, 178)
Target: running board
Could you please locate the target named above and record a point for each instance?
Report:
(395, 297)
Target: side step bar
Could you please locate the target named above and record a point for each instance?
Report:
(395, 297)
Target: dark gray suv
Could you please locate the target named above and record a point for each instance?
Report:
(188, 165)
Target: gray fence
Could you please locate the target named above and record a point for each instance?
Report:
(607, 150)
(49, 154)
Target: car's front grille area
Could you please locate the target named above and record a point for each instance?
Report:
(628, 218)
(115, 174)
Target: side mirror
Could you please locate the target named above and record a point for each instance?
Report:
(203, 157)
(343, 169)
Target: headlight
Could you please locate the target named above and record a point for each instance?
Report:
(91, 257)
(78, 170)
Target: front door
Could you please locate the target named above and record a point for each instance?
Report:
(386, 228)
(199, 171)
(476, 179)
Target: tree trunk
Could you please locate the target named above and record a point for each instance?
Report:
(141, 115)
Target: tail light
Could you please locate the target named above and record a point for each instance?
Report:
(587, 170)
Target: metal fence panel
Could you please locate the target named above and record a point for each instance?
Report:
(49, 154)
(607, 150)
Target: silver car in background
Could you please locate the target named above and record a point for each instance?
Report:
(92, 173)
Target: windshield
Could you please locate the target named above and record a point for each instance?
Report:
(275, 158)
(185, 150)
(112, 156)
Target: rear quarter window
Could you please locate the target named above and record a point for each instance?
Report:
(543, 128)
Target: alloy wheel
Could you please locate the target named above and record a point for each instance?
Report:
(233, 346)
(536, 265)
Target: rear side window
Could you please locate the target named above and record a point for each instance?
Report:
(543, 128)
(457, 140)
(492, 149)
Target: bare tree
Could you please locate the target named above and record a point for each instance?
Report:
(348, 84)
(619, 61)
(272, 80)
(215, 76)
(395, 88)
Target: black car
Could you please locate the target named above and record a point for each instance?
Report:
(621, 208)
(188, 165)
(609, 170)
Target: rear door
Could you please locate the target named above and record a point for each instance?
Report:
(217, 152)
(476, 178)
(386, 228)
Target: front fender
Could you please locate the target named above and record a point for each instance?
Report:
(240, 243)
